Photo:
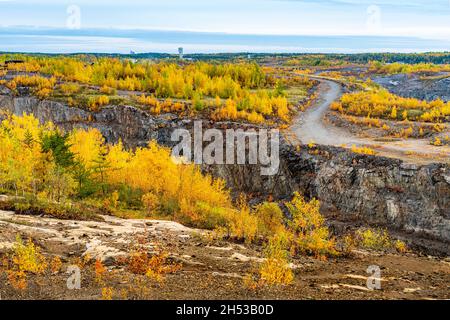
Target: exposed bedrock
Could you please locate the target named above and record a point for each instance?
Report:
(132, 125)
(413, 86)
(376, 190)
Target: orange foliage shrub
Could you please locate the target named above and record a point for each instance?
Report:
(155, 266)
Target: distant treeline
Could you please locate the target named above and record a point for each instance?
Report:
(312, 59)
(411, 58)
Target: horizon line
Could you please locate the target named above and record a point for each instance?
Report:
(221, 53)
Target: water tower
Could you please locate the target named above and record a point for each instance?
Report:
(180, 53)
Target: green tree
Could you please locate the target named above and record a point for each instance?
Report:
(57, 144)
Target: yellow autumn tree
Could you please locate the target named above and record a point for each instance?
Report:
(88, 146)
(22, 163)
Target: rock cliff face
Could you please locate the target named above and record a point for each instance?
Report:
(370, 189)
(378, 190)
(367, 189)
(132, 125)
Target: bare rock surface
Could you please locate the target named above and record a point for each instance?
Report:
(106, 240)
(209, 270)
(413, 86)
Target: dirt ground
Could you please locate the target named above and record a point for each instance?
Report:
(209, 269)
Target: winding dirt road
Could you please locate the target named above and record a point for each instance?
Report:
(311, 127)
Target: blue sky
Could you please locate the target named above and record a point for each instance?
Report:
(429, 19)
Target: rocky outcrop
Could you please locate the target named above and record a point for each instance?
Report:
(375, 190)
(108, 240)
(133, 126)
(351, 187)
(412, 86)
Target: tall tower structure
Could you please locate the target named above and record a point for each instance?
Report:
(180, 53)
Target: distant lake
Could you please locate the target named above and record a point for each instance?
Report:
(123, 41)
